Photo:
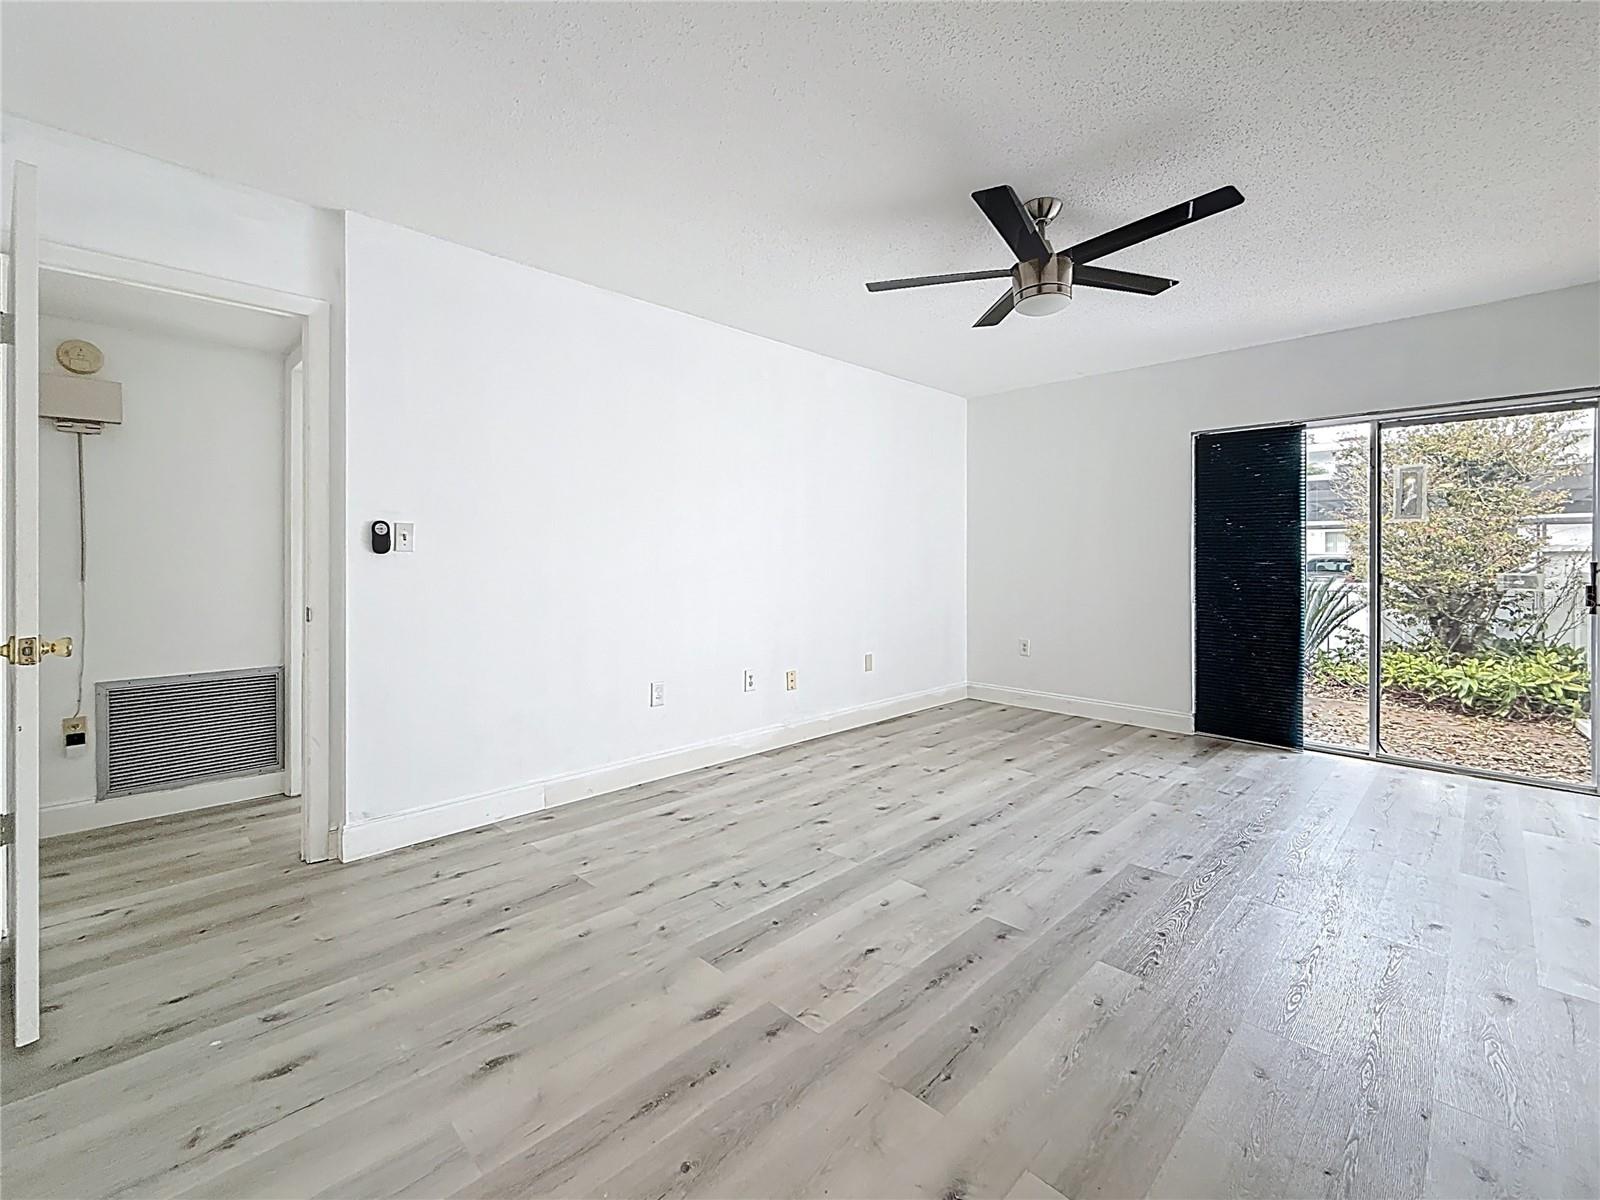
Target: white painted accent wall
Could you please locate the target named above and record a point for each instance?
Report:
(186, 538)
(1079, 508)
(606, 494)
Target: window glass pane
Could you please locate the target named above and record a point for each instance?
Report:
(1336, 585)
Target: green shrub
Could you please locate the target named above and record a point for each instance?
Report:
(1548, 681)
(1343, 666)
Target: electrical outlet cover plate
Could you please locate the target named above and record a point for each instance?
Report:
(749, 681)
(75, 731)
(867, 663)
(791, 680)
(1025, 647)
(658, 695)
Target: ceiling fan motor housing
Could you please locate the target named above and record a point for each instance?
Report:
(1043, 286)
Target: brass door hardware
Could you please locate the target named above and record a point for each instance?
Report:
(27, 651)
(21, 652)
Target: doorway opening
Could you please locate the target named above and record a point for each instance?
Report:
(164, 553)
(1450, 560)
(201, 734)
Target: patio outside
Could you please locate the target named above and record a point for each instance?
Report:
(1486, 528)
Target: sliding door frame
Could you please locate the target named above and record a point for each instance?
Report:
(1433, 415)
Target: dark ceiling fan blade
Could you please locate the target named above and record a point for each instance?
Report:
(1006, 214)
(1120, 281)
(997, 311)
(891, 285)
(1164, 221)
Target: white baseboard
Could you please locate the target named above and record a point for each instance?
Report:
(379, 835)
(362, 839)
(1080, 706)
(648, 769)
(79, 815)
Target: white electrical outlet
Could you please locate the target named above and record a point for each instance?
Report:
(658, 695)
(1024, 647)
(749, 681)
(866, 664)
(791, 680)
(405, 537)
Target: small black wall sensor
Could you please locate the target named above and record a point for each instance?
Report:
(382, 537)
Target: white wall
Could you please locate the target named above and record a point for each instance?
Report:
(655, 497)
(1079, 508)
(185, 532)
(101, 197)
(608, 493)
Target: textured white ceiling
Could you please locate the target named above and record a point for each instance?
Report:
(756, 163)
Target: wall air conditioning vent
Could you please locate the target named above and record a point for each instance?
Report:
(175, 730)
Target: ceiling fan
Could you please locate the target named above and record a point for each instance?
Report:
(1042, 280)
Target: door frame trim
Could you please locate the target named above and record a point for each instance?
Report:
(309, 522)
(1428, 764)
(1487, 405)
(1374, 587)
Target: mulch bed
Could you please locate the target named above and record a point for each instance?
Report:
(1550, 749)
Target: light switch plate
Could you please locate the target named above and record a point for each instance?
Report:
(405, 537)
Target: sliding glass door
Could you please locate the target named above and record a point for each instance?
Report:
(1485, 536)
(1449, 561)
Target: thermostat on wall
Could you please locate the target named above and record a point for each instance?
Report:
(80, 357)
(393, 537)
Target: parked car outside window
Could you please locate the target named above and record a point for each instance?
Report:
(1329, 564)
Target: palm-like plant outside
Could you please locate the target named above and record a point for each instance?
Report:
(1329, 604)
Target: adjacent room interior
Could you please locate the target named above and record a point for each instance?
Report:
(178, 673)
(756, 600)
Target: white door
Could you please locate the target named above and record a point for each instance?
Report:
(19, 635)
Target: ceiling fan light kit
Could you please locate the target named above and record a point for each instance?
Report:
(1043, 287)
(1042, 279)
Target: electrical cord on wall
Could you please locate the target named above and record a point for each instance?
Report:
(83, 577)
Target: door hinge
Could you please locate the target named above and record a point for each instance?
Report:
(8, 828)
(8, 329)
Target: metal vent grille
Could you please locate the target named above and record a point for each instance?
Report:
(181, 729)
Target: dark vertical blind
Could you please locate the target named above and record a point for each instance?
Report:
(1249, 575)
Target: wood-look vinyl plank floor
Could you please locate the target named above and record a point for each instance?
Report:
(975, 951)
